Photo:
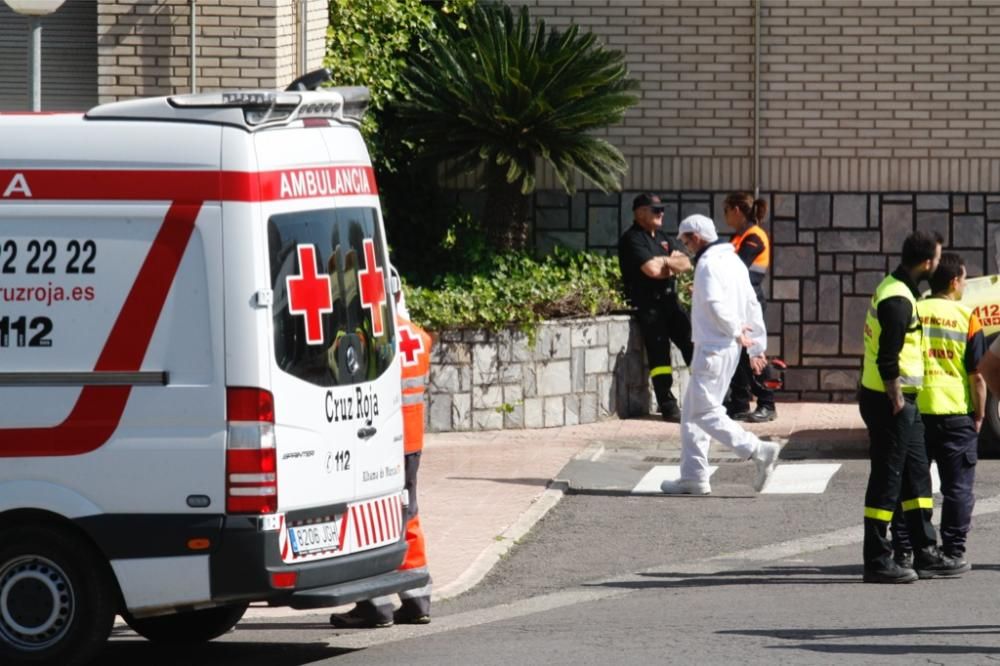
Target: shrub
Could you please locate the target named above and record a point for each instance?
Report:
(499, 92)
(515, 291)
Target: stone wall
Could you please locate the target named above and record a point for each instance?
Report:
(830, 250)
(574, 371)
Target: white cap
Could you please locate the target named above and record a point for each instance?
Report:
(701, 225)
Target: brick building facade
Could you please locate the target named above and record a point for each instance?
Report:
(96, 51)
(875, 117)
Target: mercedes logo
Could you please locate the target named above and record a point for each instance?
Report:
(351, 360)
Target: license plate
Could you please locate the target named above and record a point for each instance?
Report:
(311, 538)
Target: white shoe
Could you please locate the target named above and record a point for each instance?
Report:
(765, 457)
(686, 487)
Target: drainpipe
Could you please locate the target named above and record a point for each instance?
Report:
(194, 48)
(303, 46)
(756, 99)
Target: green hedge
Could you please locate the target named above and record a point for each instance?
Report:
(517, 291)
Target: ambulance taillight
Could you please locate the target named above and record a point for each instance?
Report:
(251, 458)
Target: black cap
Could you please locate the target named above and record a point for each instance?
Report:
(647, 199)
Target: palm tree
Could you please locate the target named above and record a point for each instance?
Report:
(497, 96)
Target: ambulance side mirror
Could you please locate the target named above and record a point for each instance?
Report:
(395, 283)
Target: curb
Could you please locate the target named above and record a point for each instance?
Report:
(554, 491)
(487, 559)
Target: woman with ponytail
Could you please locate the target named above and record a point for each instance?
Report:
(744, 215)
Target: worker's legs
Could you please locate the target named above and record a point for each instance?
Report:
(416, 603)
(952, 442)
(703, 415)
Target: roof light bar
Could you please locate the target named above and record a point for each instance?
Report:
(263, 106)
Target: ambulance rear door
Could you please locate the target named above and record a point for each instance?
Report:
(334, 374)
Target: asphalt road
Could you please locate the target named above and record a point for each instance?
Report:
(730, 578)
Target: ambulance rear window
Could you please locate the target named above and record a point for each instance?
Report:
(332, 322)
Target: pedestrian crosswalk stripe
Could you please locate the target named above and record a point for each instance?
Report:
(800, 479)
(789, 479)
(650, 483)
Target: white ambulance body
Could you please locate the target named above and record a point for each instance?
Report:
(199, 385)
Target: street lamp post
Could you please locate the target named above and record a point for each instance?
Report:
(35, 10)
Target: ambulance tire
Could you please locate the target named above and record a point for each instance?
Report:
(188, 627)
(57, 598)
(989, 438)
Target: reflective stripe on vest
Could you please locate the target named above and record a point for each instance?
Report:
(763, 260)
(946, 334)
(911, 358)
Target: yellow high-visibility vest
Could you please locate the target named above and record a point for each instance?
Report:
(947, 328)
(911, 358)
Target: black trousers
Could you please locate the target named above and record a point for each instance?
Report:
(743, 386)
(661, 323)
(899, 475)
(952, 443)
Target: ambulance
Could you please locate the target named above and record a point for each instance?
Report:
(983, 295)
(199, 378)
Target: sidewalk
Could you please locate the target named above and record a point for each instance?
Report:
(481, 491)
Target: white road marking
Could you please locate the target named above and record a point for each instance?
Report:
(800, 479)
(650, 483)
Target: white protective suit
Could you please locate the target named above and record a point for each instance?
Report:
(722, 304)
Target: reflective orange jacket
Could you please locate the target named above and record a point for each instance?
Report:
(415, 349)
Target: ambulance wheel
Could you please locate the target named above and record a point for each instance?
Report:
(989, 438)
(188, 627)
(57, 598)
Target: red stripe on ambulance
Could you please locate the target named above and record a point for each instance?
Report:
(99, 409)
(185, 186)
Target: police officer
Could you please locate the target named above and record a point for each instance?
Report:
(415, 608)
(891, 375)
(648, 263)
(952, 404)
(743, 215)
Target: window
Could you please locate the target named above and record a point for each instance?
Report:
(332, 321)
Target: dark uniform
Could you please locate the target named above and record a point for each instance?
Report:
(899, 476)
(955, 345)
(661, 318)
(754, 248)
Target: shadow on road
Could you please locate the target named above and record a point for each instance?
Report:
(130, 650)
(882, 634)
(844, 444)
(795, 575)
(519, 481)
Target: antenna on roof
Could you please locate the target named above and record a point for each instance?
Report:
(311, 81)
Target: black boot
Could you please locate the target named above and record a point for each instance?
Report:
(889, 573)
(669, 411)
(930, 562)
(904, 558)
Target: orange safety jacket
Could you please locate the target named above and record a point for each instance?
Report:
(763, 260)
(415, 349)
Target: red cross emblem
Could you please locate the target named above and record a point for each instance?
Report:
(372, 284)
(309, 294)
(411, 345)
